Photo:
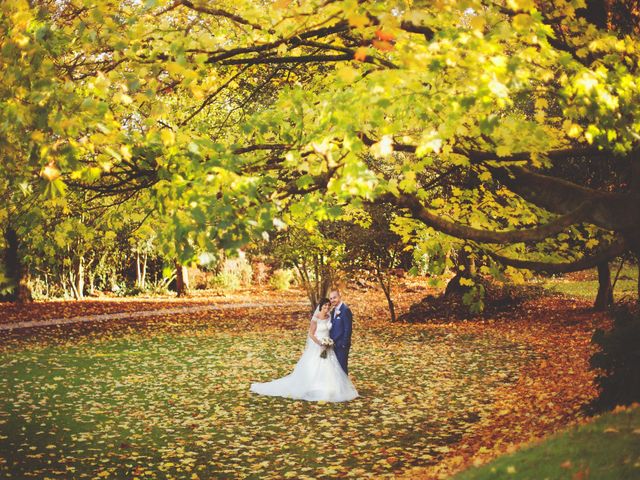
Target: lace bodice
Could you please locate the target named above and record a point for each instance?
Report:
(323, 327)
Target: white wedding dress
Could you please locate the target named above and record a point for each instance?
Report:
(314, 378)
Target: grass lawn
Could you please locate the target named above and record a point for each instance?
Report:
(607, 448)
(586, 286)
(171, 400)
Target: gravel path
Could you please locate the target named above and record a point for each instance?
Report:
(143, 313)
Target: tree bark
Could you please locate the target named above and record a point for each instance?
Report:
(182, 279)
(63, 282)
(80, 277)
(76, 278)
(304, 281)
(143, 280)
(634, 237)
(459, 230)
(604, 298)
(138, 270)
(612, 251)
(317, 287)
(386, 288)
(25, 295)
(92, 282)
(572, 202)
(72, 283)
(454, 287)
(12, 261)
(606, 210)
(595, 13)
(90, 272)
(15, 271)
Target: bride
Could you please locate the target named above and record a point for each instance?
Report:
(314, 378)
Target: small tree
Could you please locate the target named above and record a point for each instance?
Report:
(373, 249)
(314, 255)
(142, 245)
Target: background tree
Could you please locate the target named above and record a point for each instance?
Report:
(314, 255)
(232, 115)
(372, 249)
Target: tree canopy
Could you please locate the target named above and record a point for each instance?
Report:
(235, 119)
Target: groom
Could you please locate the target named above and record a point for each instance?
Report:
(340, 333)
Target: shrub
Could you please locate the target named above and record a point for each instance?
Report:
(618, 361)
(39, 288)
(239, 268)
(260, 272)
(159, 286)
(235, 273)
(225, 281)
(281, 279)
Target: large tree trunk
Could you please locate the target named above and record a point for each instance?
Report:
(634, 239)
(182, 279)
(604, 298)
(15, 271)
(638, 288)
(454, 287)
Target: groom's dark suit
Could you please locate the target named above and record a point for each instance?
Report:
(340, 333)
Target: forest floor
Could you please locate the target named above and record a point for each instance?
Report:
(59, 309)
(166, 396)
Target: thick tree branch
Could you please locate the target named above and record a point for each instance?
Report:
(291, 42)
(318, 182)
(458, 230)
(292, 59)
(218, 12)
(254, 148)
(420, 29)
(614, 250)
(479, 156)
(609, 210)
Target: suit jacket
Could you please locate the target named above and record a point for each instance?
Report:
(341, 326)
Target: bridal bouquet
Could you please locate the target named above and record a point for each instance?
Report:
(326, 343)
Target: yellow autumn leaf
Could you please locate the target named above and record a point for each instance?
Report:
(358, 21)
